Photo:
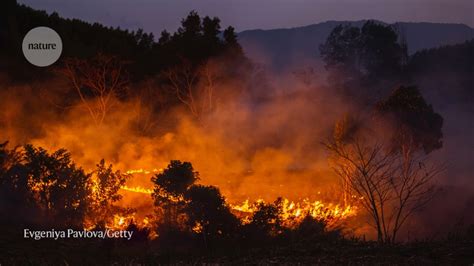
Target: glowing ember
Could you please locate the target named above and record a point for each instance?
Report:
(197, 228)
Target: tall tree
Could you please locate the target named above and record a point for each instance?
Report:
(104, 192)
(233, 47)
(170, 187)
(360, 59)
(211, 29)
(391, 185)
(416, 125)
(99, 82)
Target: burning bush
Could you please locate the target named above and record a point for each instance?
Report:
(104, 192)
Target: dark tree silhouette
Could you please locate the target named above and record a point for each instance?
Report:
(311, 228)
(381, 52)
(230, 37)
(170, 187)
(191, 26)
(188, 57)
(266, 220)
(361, 58)
(175, 179)
(196, 40)
(233, 47)
(208, 213)
(51, 187)
(417, 126)
(452, 79)
(341, 54)
(16, 199)
(59, 186)
(211, 29)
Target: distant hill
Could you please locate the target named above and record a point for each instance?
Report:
(281, 48)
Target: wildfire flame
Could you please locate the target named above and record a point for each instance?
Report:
(137, 189)
(294, 212)
(143, 171)
(121, 222)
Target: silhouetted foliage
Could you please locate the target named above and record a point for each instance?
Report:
(209, 214)
(175, 179)
(17, 202)
(456, 58)
(341, 54)
(49, 185)
(59, 187)
(266, 220)
(196, 40)
(169, 189)
(234, 50)
(415, 122)
(38, 187)
(360, 58)
(311, 227)
(445, 72)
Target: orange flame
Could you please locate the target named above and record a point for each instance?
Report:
(294, 212)
(137, 189)
(143, 171)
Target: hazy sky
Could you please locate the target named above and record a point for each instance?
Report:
(156, 15)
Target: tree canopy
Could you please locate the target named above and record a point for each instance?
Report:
(196, 40)
(415, 121)
(358, 59)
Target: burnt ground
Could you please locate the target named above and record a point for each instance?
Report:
(340, 252)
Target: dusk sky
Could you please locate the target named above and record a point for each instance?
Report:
(156, 15)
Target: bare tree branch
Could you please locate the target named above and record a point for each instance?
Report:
(97, 82)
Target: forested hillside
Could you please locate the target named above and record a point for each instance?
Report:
(195, 41)
(446, 72)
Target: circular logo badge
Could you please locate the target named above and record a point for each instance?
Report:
(42, 46)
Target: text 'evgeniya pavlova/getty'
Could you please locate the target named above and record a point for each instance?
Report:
(72, 233)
